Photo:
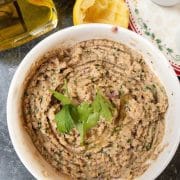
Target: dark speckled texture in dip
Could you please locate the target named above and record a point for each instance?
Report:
(116, 149)
(10, 166)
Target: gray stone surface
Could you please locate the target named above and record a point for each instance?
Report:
(10, 166)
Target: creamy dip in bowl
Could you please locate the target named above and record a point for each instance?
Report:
(92, 57)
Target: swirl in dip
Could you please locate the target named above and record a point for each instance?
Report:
(116, 149)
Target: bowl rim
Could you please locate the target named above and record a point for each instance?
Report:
(44, 41)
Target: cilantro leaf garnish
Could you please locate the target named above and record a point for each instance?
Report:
(64, 119)
(59, 96)
(92, 121)
(85, 126)
(84, 110)
(81, 130)
(103, 106)
(65, 88)
(84, 116)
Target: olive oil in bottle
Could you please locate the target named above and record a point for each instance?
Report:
(24, 20)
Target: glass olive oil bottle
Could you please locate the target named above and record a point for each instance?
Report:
(24, 20)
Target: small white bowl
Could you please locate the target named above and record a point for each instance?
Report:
(166, 2)
(23, 145)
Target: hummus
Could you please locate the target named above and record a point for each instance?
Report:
(117, 149)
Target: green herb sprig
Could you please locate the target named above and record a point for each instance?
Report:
(84, 116)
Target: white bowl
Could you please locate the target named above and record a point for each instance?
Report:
(166, 2)
(23, 145)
